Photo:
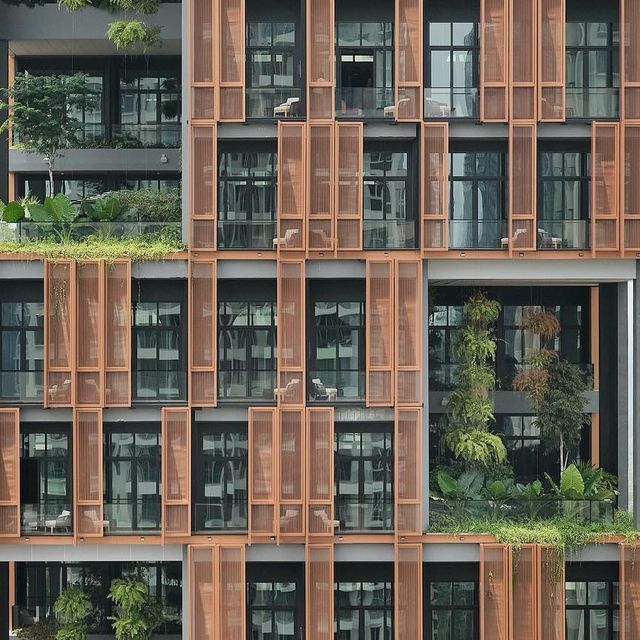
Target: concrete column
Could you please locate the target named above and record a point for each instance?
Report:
(636, 399)
(425, 394)
(4, 138)
(4, 601)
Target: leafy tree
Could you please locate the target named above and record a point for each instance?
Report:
(72, 608)
(40, 113)
(138, 615)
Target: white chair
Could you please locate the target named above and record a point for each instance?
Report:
(284, 109)
(63, 521)
(289, 235)
(390, 111)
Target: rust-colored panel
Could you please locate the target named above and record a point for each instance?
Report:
(176, 470)
(59, 332)
(348, 187)
(118, 334)
(88, 472)
(319, 591)
(203, 187)
(201, 593)
(291, 185)
(202, 332)
(320, 472)
(263, 469)
(408, 592)
(434, 186)
(9, 473)
(629, 591)
(522, 186)
(232, 60)
(494, 591)
(630, 190)
(408, 470)
(291, 467)
(380, 334)
(320, 206)
(551, 60)
(551, 594)
(408, 59)
(630, 59)
(202, 49)
(605, 185)
(232, 599)
(320, 59)
(494, 16)
(524, 36)
(291, 332)
(524, 599)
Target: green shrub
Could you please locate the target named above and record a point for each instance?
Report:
(147, 205)
(72, 607)
(138, 615)
(42, 630)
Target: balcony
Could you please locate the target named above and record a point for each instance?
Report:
(131, 515)
(21, 387)
(243, 385)
(396, 233)
(274, 102)
(46, 519)
(448, 103)
(247, 234)
(592, 103)
(159, 386)
(563, 234)
(365, 102)
(221, 513)
(478, 234)
(371, 514)
(336, 386)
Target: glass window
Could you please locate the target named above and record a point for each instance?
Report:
(592, 609)
(445, 322)
(452, 610)
(522, 438)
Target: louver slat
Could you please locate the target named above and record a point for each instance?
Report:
(408, 60)
(320, 59)
(348, 187)
(551, 61)
(408, 323)
(630, 59)
(435, 186)
(630, 191)
(605, 186)
(522, 187)
(495, 581)
(493, 60)
(291, 470)
(291, 185)
(524, 36)
(524, 600)
(9, 473)
(232, 597)
(263, 471)
(408, 471)
(319, 591)
(551, 596)
(202, 56)
(320, 206)
(408, 591)
(204, 164)
(629, 591)
(231, 93)
(176, 471)
(320, 521)
(88, 473)
(202, 578)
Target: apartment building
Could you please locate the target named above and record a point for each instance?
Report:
(256, 424)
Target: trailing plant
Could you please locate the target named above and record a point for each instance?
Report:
(130, 33)
(72, 607)
(41, 630)
(138, 614)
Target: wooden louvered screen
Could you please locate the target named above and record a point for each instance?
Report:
(408, 59)
(262, 472)
(231, 595)
(321, 59)
(551, 595)
(380, 334)
(435, 186)
(202, 578)
(408, 592)
(524, 36)
(524, 599)
(90, 332)
(522, 187)
(176, 471)
(408, 471)
(320, 207)
(202, 18)
(231, 92)
(348, 188)
(320, 521)
(118, 334)
(629, 591)
(291, 185)
(291, 471)
(495, 582)
(551, 60)
(202, 332)
(9, 473)
(291, 332)
(59, 334)
(630, 190)
(319, 591)
(408, 323)
(605, 186)
(630, 59)
(88, 473)
(204, 163)
(494, 62)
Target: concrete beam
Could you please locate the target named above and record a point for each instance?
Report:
(91, 553)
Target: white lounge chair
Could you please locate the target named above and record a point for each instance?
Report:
(284, 109)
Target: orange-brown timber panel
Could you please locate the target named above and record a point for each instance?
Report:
(380, 334)
(408, 322)
(522, 187)
(524, 36)
(630, 59)
(88, 473)
(176, 471)
(494, 61)
(201, 593)
(348, 190)
(495, 582)
(319, 481)
(629, 591)
(551, 597)
(291, 499)
(321, 59)
(59, 332)
(320, 206)
(118, 334)
(408, 471)
(291, 185)
(204, 163)
(524, 599)
(291, 332)
(90, 333)
(434, 185)
(263, 471)
(630, 189)
(231, 92)
(9, 473)
(202, 332)
(202, 14)
(408, 60)
(319, 591)
(408, 591)
(551, 60)
(231, 598)
(605, 186)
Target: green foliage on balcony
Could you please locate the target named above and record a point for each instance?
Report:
(41, 630)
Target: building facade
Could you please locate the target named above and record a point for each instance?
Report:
(255, 425)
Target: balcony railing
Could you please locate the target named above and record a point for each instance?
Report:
(369, 514)
(246, 234)
(563, 234)
(365, 102)
(132, 515)
(592, 103)
(240, 385)
(46, 519)
(478, 234)
(160, 386)
(336, 386)
(389, 234)
(21, 387)
(459, 102)
(165, 135)
(226, 513)
(274, 102)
